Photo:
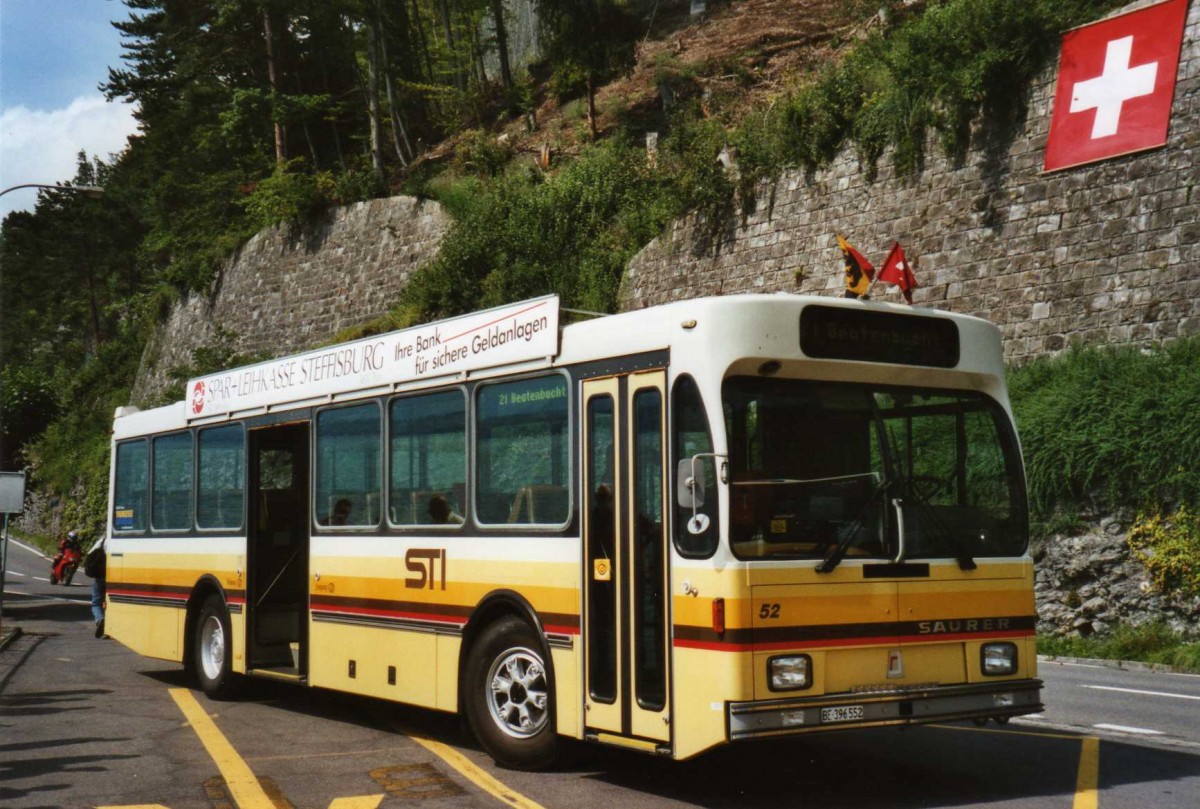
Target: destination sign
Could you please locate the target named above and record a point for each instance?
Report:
(510, 334)
(838, 333)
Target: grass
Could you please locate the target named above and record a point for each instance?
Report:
(1109, 428)
(1149, 643)
(47, 545)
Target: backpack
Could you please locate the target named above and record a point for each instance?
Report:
(95, 562)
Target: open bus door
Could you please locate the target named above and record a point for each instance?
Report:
(277, 564)
(627, 665)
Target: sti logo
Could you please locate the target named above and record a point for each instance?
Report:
(198, 397)
(1116, 80)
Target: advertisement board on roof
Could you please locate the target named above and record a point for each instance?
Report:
(519, 332)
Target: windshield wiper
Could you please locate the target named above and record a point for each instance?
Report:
(850, 531)
(948, 538)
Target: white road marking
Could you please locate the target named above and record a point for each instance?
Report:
(1127, 729)
(1139, 691)
(40, 597)
(30, 548)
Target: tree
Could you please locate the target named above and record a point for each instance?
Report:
(595, 37)
(497, 8)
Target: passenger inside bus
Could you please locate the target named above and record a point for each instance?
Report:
(440, 512)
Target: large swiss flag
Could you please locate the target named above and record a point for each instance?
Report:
(1116, 80)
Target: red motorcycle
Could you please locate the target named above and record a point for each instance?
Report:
(70, 555)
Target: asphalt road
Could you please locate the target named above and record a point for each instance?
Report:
(86, 723)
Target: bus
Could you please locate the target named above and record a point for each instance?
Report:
(703, 522)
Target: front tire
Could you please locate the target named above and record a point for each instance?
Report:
(508, 696)
(70, 574)
(213, 648)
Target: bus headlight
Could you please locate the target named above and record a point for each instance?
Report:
(998, 658)
(789, 673)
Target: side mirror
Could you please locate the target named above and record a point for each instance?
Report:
(689, 489)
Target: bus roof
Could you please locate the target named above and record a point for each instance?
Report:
(724, 334)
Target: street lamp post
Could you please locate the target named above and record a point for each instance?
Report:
(90, 191)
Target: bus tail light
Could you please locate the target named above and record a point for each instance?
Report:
(789, 672)
(997, 659)
(718, 616)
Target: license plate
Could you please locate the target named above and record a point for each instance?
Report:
(844, 713)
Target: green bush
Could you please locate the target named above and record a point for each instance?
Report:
(1106, 428)
(1148, 643)
(569, 80)
(934, 72)
(481, 154)
(524, 234)
(71, 458)
(1169, 547)
(289, 195)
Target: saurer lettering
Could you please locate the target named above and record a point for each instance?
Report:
(963, 625)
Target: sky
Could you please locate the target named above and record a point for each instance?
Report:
(53, 56)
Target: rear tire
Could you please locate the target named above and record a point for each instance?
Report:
(212, 649)
(508, 696)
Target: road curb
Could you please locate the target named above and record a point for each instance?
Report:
(9, 636)
(1127, 665)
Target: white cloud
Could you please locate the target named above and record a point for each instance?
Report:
(40, 146)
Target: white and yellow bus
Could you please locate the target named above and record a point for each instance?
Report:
(713, 520)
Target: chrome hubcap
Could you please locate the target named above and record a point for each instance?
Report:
(517, 693)
(212, 647)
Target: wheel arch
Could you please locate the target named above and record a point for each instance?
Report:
(494, 606)
(207, 585)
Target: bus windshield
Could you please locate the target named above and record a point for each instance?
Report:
(819, 469)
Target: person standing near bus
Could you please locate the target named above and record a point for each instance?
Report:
(95, 565)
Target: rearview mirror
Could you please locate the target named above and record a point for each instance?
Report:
(689, 489)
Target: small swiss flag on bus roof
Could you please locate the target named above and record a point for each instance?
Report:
(1116, 81)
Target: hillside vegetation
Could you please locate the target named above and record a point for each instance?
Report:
(259, 111)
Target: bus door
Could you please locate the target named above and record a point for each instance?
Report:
(625, 558)
(277, 563)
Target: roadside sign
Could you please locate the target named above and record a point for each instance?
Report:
(12, 492)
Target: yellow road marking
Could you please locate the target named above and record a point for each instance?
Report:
(1087, 778)
(472, 772)
(363, 802)
(1087, 781)
(243, 786)
(1040, 734)
(340, 754)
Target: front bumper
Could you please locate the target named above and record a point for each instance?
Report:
(903, 706)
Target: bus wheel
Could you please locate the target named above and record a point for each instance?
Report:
(508, 697)
(212, 650)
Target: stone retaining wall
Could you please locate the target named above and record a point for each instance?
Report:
(1107, 253)
(290, 288)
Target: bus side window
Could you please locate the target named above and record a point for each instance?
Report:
(348, 464)
(692, 436)
(220, 495)
(427, 459)
(522, 435)
(130, 494)
(171, 488)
